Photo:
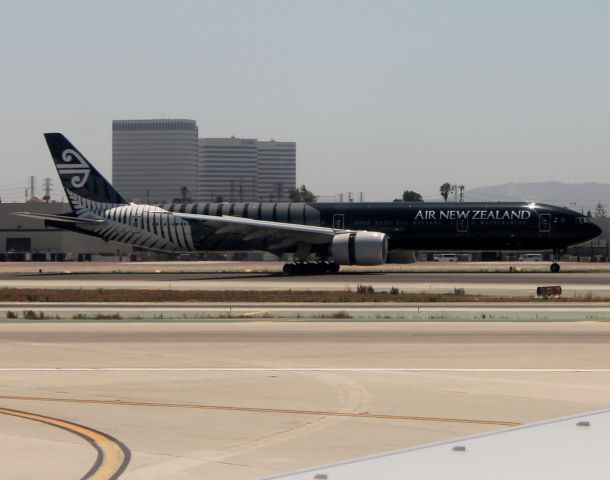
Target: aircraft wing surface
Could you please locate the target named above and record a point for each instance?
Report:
(286, 233)
(560, 449)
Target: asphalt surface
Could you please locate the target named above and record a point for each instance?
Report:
(246, 424)
(249, 400)
(299, 336)
(596, 278)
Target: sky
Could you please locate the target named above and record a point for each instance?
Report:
(380, 96)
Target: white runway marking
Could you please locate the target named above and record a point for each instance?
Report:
(230, 369)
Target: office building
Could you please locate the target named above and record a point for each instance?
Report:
(153, 160)
(276, 170)
(228, 170)
(246, 170)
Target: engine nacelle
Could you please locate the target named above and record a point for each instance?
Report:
(360, 248)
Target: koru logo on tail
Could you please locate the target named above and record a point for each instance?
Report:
(74, 165)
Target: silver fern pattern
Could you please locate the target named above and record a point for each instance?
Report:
(144, 226)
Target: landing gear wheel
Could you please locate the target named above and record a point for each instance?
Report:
(556, 253)
(334, 268)
(310, 268)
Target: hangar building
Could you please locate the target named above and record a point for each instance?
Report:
(19, 235)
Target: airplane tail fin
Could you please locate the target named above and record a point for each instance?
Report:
(85, 187)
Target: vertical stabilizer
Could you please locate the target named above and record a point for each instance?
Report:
(85, 187)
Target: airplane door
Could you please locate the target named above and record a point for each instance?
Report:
(339, 221)
(136, 223)
(545, 222)
(462, 225)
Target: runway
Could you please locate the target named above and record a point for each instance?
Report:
(247, 400)
(303, 333)
(593, 278)
(474, 283)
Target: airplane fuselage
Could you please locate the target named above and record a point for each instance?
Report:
(411, 226)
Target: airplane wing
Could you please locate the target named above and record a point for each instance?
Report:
(60, 218)
(284, 234)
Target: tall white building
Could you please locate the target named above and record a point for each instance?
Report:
(246, 170)
(228, 170)
(276, 170)
(153, 159)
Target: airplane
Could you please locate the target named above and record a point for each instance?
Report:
(320, 236)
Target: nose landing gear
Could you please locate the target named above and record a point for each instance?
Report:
(555, 265)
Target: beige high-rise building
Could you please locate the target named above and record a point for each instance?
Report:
(227, 170)
(152, 160)
(246, 170)
(276, 170)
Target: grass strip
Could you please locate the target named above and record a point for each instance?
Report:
(288, 296)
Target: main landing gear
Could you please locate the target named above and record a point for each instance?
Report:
(555, 265)
(310, 268)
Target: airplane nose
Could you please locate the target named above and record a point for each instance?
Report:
(596, 230)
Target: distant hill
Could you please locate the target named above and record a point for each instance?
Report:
(578, 196)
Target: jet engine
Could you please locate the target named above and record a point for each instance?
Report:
(360, 248)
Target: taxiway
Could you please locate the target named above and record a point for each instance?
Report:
(249, 400)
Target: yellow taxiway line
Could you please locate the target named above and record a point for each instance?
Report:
(112, 455)
(503, 423)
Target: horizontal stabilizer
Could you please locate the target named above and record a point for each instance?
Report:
(60, 218)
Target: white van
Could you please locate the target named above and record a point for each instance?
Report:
(445, 257)
(530, 257)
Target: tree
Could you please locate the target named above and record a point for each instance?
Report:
(445, 189)
(301, 194)
(600, 211)
(410, 196)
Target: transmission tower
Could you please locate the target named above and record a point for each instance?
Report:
(47, 189)
(32, 187)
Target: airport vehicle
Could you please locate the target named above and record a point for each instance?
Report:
(445, 257)
(530, 257)
(321, 236)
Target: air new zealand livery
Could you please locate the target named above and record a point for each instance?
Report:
(321, 236)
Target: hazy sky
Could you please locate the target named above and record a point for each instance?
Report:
(380, 96)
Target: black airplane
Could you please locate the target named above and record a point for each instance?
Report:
(320, 236)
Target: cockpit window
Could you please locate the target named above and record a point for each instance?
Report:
(581, 220)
